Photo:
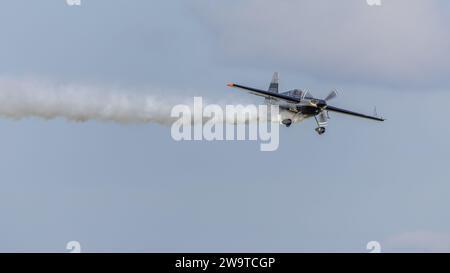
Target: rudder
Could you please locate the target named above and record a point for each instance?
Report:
(273, 87)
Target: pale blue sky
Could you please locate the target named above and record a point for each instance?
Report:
(117, 187)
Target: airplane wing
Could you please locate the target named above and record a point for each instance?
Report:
(347, 112)
(266, 94)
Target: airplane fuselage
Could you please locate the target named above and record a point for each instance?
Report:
(295, 112)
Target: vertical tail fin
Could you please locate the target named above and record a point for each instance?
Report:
(273, 87)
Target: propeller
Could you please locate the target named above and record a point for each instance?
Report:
(322, 103)
(322, 117)
(306, 95)
(333, 94)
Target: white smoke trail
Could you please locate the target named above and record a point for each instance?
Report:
(25, 98)
(31, 98)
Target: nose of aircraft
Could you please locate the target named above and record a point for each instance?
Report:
(322, 104)
(319, 103)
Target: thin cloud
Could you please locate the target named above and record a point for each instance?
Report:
(402, 43)
(419, 241)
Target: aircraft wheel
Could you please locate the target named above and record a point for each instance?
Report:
(320, 130)
(287, 122)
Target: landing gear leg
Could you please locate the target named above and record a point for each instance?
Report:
(320, 130)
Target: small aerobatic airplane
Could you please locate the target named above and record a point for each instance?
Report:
(296, 105)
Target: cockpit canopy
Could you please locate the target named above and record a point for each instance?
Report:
(296, 93)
